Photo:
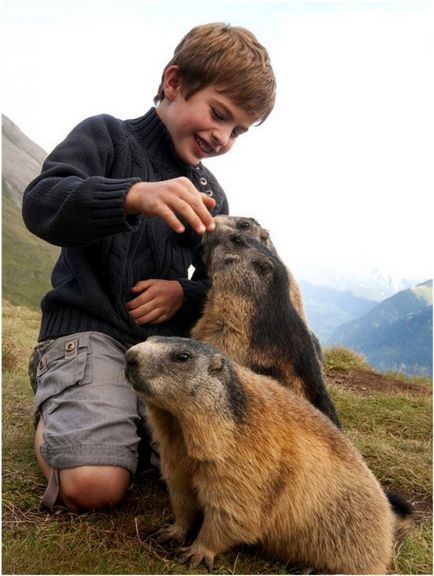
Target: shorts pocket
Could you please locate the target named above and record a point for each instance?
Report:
(66, 363)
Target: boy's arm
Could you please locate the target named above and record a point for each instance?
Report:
(74, 201)
(169, 198)
(158, 300)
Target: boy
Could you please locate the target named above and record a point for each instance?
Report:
(127, 201)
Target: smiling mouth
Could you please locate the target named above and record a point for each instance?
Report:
(203, 145)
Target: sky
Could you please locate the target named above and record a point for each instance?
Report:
(341, 173)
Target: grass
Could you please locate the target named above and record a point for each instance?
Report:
(393, 431)
(23, 251)
(338, 358)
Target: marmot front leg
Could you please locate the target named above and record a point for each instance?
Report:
(185, 509)
(218, 533)
(185, 505)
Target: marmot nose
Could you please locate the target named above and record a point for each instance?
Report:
(236, 239)
(131, 356)
(131, 363)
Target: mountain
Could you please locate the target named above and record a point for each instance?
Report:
(396, 334)
(21, 160)
(327, 308)
(364, 281)
(27, 260)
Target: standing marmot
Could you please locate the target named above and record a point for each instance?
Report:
(249, 316)
(261, 464)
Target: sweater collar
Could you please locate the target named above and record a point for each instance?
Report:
(153, 135)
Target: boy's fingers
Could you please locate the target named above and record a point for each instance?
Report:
(170, 199)
(142, 310)
(141, 285)
(190, 215)
(169, 216)
(141, 300)
(208, 201)
(148, 316)
(194, 213)
(200, 204)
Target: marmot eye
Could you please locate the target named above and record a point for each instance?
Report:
(244, 226)
(182, 356)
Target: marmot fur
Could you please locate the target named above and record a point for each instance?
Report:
(249, 315)
(259, 463)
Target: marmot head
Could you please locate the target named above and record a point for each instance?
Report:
(247, 227)
(238, 261)
(182, 374)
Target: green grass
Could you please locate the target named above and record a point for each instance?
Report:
(27, 260)
(393, 432)
(338, 358)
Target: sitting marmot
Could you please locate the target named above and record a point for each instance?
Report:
(249, 315)
(259, 463)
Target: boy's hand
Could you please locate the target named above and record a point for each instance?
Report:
(171, 197)
(157, 301)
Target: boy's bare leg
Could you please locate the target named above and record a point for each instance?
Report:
(86, 487)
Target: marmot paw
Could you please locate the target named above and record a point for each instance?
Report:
(195, 554)
(171, 532)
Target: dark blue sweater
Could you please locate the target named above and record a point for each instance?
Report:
(78, 203)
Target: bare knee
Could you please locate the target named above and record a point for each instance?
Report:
(92, 487)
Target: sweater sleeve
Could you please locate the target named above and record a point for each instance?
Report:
(75, 200)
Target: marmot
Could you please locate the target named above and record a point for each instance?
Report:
(249, 315)
(259, 463)
(250, 227)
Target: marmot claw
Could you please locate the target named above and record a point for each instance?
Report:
(170, 532)
(195, 554)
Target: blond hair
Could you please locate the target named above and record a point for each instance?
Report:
(231, 58)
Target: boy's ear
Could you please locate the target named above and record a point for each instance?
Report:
(172, 82)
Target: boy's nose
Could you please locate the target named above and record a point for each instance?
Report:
(221, 137)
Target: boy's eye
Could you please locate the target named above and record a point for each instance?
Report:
(217, 114)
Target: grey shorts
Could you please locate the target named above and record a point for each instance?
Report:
(90, 412)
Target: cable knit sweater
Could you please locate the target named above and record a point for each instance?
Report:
(78, 203)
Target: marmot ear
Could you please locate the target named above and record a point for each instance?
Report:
(217, 363)
(264, 235)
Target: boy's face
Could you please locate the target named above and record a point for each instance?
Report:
(205, 125)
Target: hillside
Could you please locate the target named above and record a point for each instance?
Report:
(27, 261)
(21, 160)
(396, 334)
(328, 308)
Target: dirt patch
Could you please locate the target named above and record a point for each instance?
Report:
(367, 382)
